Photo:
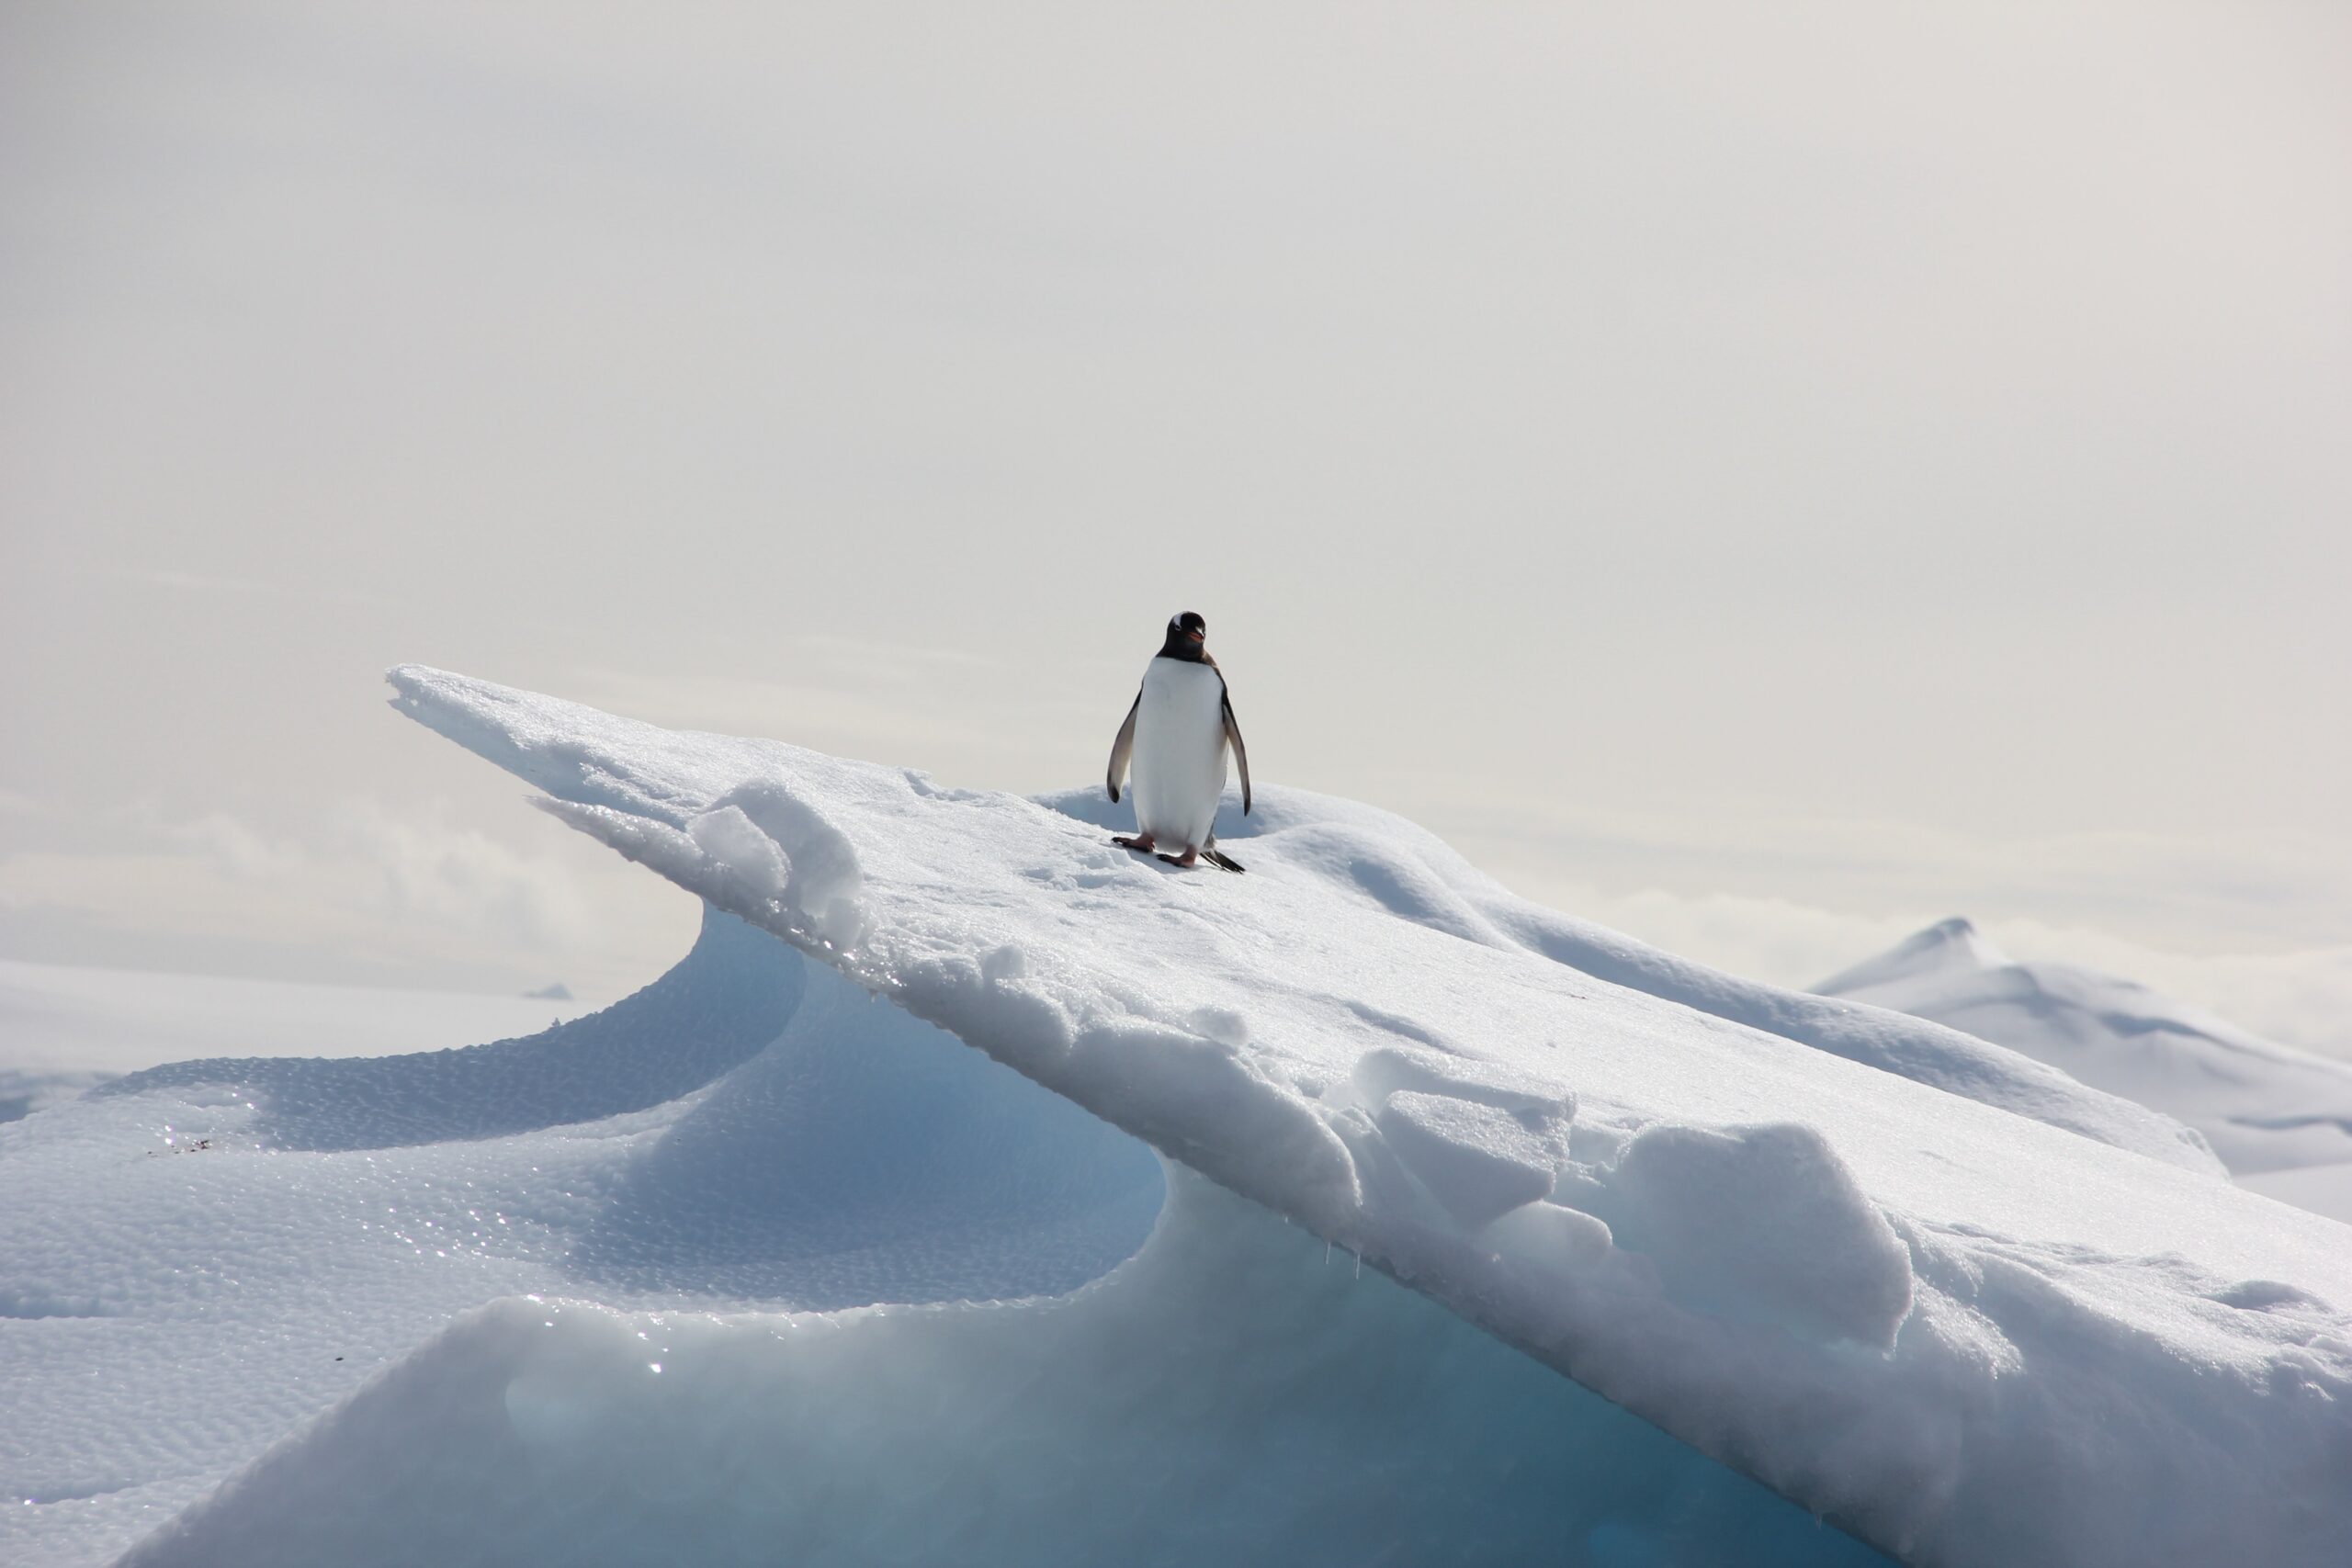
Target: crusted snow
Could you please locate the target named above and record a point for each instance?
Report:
(1944, 1295)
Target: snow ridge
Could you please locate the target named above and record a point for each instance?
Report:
(1417, 877)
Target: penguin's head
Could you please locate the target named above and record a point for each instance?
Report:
(1187, 638)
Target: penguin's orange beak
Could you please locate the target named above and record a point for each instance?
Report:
(1196, 637)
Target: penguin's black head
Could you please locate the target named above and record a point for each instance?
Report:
(1187, 635)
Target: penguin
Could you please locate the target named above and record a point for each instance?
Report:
(1176, 734)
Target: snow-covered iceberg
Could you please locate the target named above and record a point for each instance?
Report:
(1959, 1303)
(1943, 1296)
(864, 1296)
(2280, 1118)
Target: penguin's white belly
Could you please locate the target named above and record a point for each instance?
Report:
(1179, 760)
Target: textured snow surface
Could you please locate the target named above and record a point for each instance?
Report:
(2265, 1108)
(603, 1341)
(196, 1259)
(1933, 1289)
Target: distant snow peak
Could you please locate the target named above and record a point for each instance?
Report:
(1949, 946)
(2265, 1108)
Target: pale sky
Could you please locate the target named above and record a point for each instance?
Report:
(1762, 477)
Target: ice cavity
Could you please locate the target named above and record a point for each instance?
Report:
(1231, 1394)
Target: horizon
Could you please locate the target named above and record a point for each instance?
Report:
(1765, 484)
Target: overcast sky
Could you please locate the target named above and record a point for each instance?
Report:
(1765, 476)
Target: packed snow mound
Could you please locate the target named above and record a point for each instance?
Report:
(1963, 1306)
(2263, 1107)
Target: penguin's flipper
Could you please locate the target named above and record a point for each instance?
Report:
(1123, 748)
(1240, 752)
(1222, 860)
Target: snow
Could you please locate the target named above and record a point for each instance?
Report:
(2083, 1346)
(1760, 1223)
(2321, 1188)
(765, 1264)
(649, 1337)
(2265, 1108)
(196, 1259)
(1228, 1395)
(1479, 1162)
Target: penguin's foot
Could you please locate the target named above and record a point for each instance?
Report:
(1188, 859)
(1142, 841)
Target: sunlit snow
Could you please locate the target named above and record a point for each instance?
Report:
(765, 1265)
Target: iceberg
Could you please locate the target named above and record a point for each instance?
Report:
(2020, 1261)
(2280, 1118)
(866, 1296)
(980, 1192)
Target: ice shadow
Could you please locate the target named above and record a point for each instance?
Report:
(868, 1157)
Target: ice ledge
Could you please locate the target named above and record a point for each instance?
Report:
(1895, 1304)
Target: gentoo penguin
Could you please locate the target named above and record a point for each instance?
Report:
(1176, 734)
